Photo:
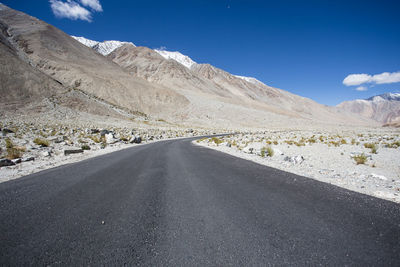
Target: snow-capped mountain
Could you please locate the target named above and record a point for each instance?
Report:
(107, 47)
(250, 79)
(386, 96)
(87, 42)
(103, 48)
(383, 108)
(177, 56)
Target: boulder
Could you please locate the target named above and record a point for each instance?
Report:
(104, 132)
(94, 131)
(17, 161)
(6, 131)
(28, 159)
(110, 138)
(136, 140)
(72, 151)
(6, 162)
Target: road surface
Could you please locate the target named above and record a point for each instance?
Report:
(172, 203)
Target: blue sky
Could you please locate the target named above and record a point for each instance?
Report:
(305, 47)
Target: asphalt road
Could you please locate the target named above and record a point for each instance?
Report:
(175, 204)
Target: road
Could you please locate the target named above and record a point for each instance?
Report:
(172, 203)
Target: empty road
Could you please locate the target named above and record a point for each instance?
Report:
(172, 203)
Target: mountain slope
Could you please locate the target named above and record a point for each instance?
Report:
(25, 89)
(202, 83)
(74, 65)
(383, 108)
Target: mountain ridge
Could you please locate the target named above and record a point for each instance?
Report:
(383, 108)
(141, 80)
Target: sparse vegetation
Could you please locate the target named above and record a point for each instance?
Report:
(201, 139)
(216, 140)
(371, 146)
(85, 147)
(360, 159)
(14, 153)
(312, 140)
(41, 142)
(124, 138)
(95, 138)
(269, 152)
(9, 143)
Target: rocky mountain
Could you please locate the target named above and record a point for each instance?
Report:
(103, 48)
(139, 80)
(178, 57)
(384, 108)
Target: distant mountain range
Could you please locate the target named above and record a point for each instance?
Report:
(384, 108)
(42, 64)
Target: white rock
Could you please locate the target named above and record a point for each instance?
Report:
(296, 159)
(376, 176)
(109, 138)
(45, 153)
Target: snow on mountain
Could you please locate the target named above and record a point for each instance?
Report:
(103, 48)
(386, 96)
(177, 56)
(107, 47)
(383, 108)
(249, 79)
(87, 42)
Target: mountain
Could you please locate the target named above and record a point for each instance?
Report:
(57, 56)
(384, 108)
(139, 80)
(103, 48)
(386, 96)
(178, 57)
(204, 83)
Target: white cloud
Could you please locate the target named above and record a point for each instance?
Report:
(93, 4)
(70, 9)
(386, 77)
(361, 88)
(356, 79)
(383, 78)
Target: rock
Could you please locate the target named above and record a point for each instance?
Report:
(296, 159)
(94, 131)
(110, 138)
(104, 132)
(72, 151)
(376, 176)
(6, 162)
(17, 161)
(46, 153)
(6, 131)
(248, 150)
(136, 140)
(28, 159)
(57, 140)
